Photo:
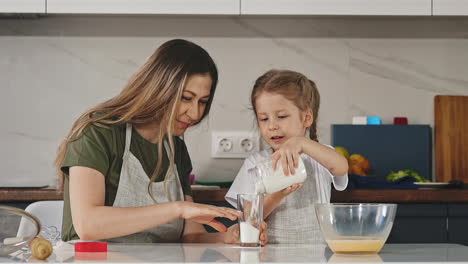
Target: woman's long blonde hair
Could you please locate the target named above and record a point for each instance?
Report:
(151, 96)
(294, 86)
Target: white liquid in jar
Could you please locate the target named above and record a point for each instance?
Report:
(248, 233)
(272, 181)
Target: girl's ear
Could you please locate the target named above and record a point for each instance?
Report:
(308, 118)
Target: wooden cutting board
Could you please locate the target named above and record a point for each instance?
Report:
(451, 138)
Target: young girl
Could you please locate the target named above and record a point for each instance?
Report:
(286, 105)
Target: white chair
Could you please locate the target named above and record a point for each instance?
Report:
(49, 214)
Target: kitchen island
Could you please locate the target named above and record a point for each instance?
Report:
(210, 253)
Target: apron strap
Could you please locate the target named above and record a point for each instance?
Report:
(128, 137)
(167, 148)
(169, 153)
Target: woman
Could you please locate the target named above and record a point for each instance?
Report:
(126, 168)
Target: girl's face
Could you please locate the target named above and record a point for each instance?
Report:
(280, 119)
(193, 102)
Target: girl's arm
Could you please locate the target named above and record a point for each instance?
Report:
(288, 155)
(87, 193)
(271, 201)
(327, 157)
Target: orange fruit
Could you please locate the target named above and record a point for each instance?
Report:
(358, 160)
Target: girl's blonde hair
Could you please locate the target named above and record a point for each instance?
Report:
(295, 87)
(152, 96)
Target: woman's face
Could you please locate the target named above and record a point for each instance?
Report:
(194, 99)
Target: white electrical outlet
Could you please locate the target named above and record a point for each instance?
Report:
(225, 145)
(246, 144)
(234, 144)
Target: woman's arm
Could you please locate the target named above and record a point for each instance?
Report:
(196, 233)
(92, 220)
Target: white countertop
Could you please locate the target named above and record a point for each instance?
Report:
(209, 253)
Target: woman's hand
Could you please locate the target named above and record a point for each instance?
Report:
(205, 214)
(288, 155)
(232, 236)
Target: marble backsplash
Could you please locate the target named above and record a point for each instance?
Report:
(53, 68)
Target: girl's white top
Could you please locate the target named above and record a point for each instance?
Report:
(293, 221)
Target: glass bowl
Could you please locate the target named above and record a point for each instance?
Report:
(355, 228)
(18, 228)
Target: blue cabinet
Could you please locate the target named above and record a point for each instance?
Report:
(420, 223)
(388, 147)
(430, 223)
(457, 223)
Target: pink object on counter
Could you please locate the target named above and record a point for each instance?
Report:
(91, 251)
(91, 247)
(192, 178)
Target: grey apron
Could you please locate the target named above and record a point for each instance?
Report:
(133, 192)
(294, 220)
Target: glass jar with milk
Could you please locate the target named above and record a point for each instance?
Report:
(268, 181)
(251, 206)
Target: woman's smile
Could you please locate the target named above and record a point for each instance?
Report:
(184, 124)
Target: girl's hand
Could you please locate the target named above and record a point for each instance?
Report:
(288, 155)
(232, 236)
(205, 214)
(291, 189)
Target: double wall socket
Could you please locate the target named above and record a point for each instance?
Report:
(234, 144)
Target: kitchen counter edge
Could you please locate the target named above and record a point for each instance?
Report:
(217, 195)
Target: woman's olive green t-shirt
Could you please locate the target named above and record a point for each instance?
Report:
(102, 149)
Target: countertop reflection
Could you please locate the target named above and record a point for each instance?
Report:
(210, 253)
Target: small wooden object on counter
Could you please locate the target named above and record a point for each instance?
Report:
(41, 248)
(451, 138)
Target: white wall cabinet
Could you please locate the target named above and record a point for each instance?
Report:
(450, 7)
(244, 7)
(337, 7)
(22, 6)
(183, 7)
